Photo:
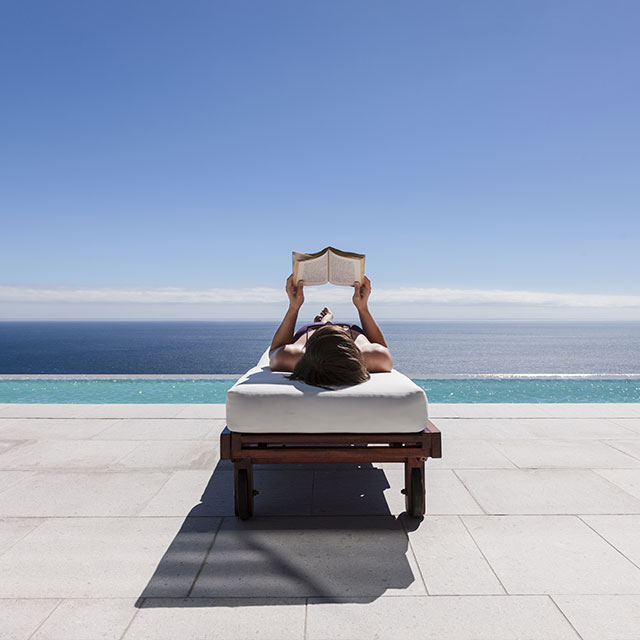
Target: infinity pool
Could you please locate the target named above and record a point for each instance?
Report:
(207, 390)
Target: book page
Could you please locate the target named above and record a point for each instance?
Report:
(313, 271)
(345, 271)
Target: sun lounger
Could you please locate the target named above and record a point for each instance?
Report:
(271, 419)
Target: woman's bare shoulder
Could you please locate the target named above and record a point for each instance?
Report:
(377, 358)
(285, 358)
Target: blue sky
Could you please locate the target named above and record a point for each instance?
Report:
(473, 147)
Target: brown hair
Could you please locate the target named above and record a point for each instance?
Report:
(331, 359)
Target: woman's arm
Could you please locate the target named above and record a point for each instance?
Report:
(287, 327)
(376, 354)
(283, 355)
(371, 329)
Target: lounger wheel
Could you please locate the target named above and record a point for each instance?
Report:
(243, 494)
(416, 507)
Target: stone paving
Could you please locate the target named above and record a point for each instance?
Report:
(116, 521)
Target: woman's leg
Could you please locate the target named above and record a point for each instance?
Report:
(326, 315)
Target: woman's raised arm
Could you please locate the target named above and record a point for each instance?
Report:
(376, 354)
(287, 327)
(361, 293)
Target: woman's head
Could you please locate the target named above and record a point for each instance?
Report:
(331, 359)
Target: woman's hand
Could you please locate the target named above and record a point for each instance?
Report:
(295, 292)
(361, 293)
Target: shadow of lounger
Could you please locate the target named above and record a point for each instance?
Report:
(216, 555)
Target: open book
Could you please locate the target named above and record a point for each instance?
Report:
(329, 265)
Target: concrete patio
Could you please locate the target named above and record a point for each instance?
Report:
(116, 521)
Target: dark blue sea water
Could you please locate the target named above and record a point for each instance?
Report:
(422, 349)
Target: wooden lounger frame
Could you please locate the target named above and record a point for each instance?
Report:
(244, 449)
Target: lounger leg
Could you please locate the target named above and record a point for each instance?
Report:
(243, 488)
(414, 487)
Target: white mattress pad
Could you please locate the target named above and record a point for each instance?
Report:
(266, 401)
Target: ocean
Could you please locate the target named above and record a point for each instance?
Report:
(419, 349)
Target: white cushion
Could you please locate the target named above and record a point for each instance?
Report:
(266, 401)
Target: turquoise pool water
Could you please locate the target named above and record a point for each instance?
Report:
(202, 390)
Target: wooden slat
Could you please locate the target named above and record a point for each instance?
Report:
(317, 454)
(225, 444)
(332, 438)
(236, 445)
(435, 439)
(330, 447)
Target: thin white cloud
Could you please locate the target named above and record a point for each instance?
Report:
(265, 295)
(155, 296)
(505, 297)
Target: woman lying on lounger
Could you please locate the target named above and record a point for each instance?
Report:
(328, 354)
